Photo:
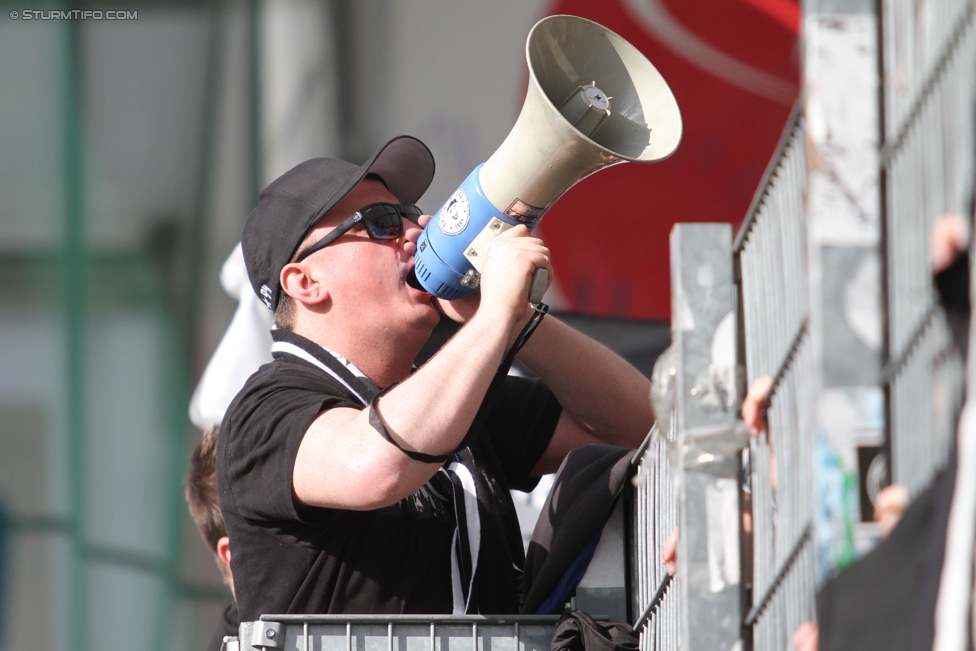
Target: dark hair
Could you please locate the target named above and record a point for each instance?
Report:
(201, 489)
(284, 314)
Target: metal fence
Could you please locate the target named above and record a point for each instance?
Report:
(771, 254)
(929, 82)
(655, 598)
(397, 633)
(769, 270)
(925, 161)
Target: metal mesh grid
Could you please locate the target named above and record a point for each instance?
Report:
(928, 93)
(655, 514)
(771, 250)
(928, 167)
(399, 632)
(781, 477)
(918, 39)
(929, 171)
(789, 605)
(922, 430)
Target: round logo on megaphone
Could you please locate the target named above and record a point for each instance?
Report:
(455, 214)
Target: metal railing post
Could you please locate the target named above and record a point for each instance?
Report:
(709, 435)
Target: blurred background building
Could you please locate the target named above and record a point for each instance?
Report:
(133, 149)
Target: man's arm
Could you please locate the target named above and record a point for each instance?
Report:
(343, 462)
(604, 398)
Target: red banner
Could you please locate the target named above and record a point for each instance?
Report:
(733, 66)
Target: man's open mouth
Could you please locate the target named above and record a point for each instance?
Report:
(414, 282)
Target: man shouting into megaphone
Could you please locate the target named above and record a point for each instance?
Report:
(351, 482)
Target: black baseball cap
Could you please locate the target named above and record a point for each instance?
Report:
(290, 206)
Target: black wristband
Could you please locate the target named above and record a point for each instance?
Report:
(377, 423)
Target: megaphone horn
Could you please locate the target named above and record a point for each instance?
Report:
(593, 101)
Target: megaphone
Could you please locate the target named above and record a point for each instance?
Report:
(593, 101)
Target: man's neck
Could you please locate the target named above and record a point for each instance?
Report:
(384, 360)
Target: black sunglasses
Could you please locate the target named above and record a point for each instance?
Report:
(383, 221)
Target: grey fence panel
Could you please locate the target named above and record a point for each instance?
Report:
(922, 430)
(655, 514)
(708, 436)
(771, 254)
(397, 633)
(928, 166)
(690, 470)
(929, 171)
(928, 86)
(917, 38)
(781, 483)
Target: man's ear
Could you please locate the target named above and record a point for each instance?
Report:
(223, 563)
(298, 282)
(223, 550)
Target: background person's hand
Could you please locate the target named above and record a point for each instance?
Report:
(669, 553)
(806, 637)
(889, 505)
(752, 405)
(950, 237)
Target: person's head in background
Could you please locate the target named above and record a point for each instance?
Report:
(201, 497)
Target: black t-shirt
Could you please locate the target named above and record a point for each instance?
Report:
(392, 560)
